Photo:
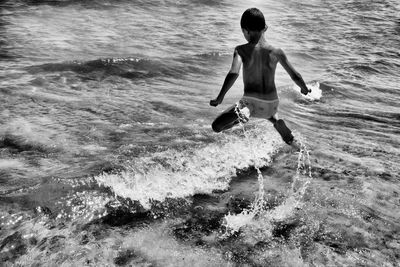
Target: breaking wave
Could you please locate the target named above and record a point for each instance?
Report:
(173, 174)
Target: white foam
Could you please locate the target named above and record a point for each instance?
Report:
(149, 246)
(258, 225)
(233, 222)
(94, 148)
(35, 131)
(314, 95)
(173, 174)
(11, 164)
(156, 243)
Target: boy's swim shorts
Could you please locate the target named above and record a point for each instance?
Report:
(259, 108)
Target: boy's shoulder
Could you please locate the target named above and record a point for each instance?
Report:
(245, 51)
(268, 47)
(240, 48)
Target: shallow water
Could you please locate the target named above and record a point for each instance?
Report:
(107, 156)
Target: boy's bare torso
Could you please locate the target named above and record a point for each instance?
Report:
(259, 65)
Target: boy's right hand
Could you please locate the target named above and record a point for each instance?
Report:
(305, 90)
(214, 102)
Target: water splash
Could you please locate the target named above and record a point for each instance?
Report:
(234, 222)
(303, 170)
(314, 95)
(259, 201)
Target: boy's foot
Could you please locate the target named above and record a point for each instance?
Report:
(296, 144)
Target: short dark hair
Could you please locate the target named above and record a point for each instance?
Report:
(253, 20)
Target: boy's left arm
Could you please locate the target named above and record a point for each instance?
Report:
(296, 77)
(229, 79)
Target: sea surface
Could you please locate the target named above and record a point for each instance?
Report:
(107, 156)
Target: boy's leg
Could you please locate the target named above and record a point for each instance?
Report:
(282, 129)
(226, 120)
(273, 119)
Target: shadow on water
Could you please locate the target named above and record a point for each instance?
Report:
(129, 68)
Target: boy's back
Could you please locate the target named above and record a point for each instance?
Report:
(259, 65)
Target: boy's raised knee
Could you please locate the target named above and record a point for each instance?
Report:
(216, 128)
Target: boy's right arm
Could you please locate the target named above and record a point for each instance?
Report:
(229, 79)
(296, 77)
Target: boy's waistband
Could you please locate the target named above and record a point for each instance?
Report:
(261, 100)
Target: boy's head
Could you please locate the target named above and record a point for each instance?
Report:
(253, 20)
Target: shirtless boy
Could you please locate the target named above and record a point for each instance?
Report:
(259, 60)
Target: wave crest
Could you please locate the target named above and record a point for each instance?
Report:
(131, 68)
(173, 174)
